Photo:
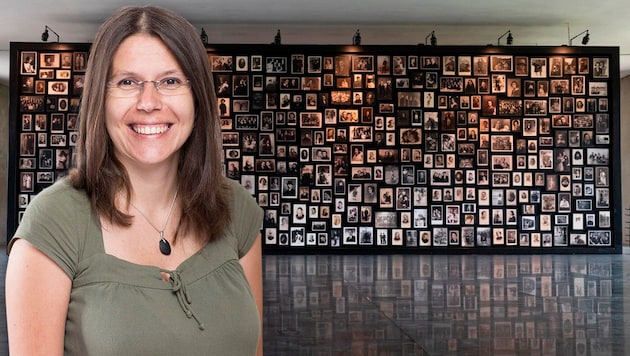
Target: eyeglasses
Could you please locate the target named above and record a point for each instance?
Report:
(126, 88)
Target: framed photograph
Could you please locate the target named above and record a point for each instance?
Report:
(578, 85)
(297, 63)
(480, 65)
(412, 62)
(555, 67)
(49, 60)
(514, 87)
(535, 107)
(240, 85)
(498, 83)
(522, 66)
(242, 63)
(57, 88)
(449, 65)
(77, 61)
(598, 88)
(311, 84)
(538, 67)
(362, 63)
(451, 84)
(314, 64)
(599, 238)
(222, 63)
(328, 80)
(501, 63)
(431, 80)
(600, 68)
(583, 65)
(464, 65)
(29, 63)
(342, 65)
(428, 62)
(399, 65)
(570, 65)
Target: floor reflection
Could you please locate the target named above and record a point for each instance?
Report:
(444, 305)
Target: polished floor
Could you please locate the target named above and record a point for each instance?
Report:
(441, 305)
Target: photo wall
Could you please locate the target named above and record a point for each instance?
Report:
(386, 148)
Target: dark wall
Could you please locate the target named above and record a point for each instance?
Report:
(383, 149)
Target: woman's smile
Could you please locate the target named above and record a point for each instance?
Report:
(151, 129)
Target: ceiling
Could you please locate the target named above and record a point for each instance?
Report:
(404, 22)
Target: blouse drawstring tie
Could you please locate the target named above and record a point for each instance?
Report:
(179, 288)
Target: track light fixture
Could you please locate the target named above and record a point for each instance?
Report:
(277, 39)
(585, 39)
(45, 33)
(204, 36)
(433, 39)
(508, 40)
(356, 39)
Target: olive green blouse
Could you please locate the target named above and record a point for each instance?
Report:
(121, 308)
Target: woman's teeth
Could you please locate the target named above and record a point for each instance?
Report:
(150, 130)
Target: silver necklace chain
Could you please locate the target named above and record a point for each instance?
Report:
(168, 217)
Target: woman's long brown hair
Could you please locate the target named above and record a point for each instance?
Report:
(202, 189)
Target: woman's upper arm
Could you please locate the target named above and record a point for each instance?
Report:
(37, 298)
(252, 266)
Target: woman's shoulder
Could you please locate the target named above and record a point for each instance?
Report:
(62, 191)
(236, 193)
(62, 201)
(245, 216)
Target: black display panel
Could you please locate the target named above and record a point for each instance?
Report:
(382, 149)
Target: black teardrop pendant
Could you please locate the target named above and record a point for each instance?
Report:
(165, 247)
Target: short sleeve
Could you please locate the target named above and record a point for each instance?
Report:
(50, 223)
(245, 215)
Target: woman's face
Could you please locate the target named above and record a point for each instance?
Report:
(148, 127)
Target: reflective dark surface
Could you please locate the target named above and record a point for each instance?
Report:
(444, 305)
(439, 305)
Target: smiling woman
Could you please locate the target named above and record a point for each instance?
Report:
(161, 113)
(145, 238)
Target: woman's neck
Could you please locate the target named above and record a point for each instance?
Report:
(152, 187)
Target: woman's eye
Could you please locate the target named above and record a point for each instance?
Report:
(127, 83)
(171, 81)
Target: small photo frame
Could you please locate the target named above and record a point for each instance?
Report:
(501, 63)
(363, 63)
(522, 66)
(242, 63)
(49, 60)
(600, 68)
(598, 88)
(29, 63)
(583, 65)
(79, 61)
(538, 67)
(555, 67)
(480, 65)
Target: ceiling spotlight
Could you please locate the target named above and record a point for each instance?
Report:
(433, 39)
(277, 39)
(204, 36)
(585, 39)
(508, 40)
(45, 33)
(356, 39)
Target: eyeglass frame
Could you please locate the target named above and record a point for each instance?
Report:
(140, 86)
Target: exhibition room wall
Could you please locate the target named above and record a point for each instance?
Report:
(410, 53)
(4, 112)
